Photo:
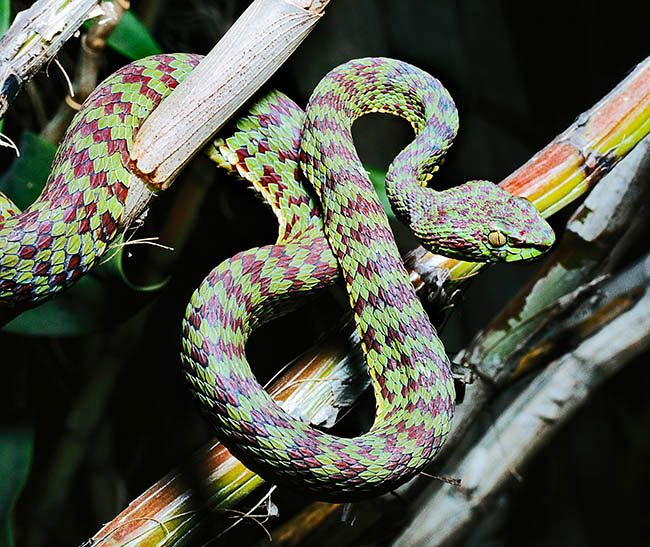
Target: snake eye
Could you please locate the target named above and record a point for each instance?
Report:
(496, 238)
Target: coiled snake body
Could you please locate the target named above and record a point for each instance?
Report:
(347, 234)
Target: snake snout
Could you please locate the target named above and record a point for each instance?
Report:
(544, 239)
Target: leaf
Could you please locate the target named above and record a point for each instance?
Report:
(104, 296)
(5, 16)
(378, 179)
(132, 39)
(28, 173)
(15, 458)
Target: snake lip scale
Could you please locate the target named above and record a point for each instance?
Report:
(342, 234)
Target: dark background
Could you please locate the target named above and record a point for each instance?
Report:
(520, 72)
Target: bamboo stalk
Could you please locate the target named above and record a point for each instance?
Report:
(575, 160)
(170, 511)
(532, 330)
(537, 413)
(501, 351)
(250, 52)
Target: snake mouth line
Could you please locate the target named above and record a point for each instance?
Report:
(528, 254)
(518, 254)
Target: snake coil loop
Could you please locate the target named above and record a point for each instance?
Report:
(345, 235)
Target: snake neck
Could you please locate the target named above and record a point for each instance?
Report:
(401, 90)
(436, 218)
(399, 341)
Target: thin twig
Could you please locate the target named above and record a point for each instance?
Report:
(249, 514)
(93, 42)
(8, 143)
(35, 37)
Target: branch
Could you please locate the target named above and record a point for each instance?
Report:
(170, 500)
(539, 411)
(170, 511)
(538, 325)
(251, 51)
(256, 45)
(87, 74)
(35, 37)
(504, 349)
(575, 160)
(265, 35)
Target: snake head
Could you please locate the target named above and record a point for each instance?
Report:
(481, 222)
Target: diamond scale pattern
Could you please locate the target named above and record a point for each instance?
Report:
(71, 225)
(342, 233)
(348, 236)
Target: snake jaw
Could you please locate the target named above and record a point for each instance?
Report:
(479, 222)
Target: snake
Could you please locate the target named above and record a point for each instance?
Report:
(332, 229)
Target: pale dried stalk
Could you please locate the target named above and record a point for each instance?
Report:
(250, 52)
(253, 49)
(34, 39)
(533, 417)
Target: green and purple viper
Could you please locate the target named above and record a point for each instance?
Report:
(344, 233)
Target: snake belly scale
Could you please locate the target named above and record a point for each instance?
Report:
(344, 233)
